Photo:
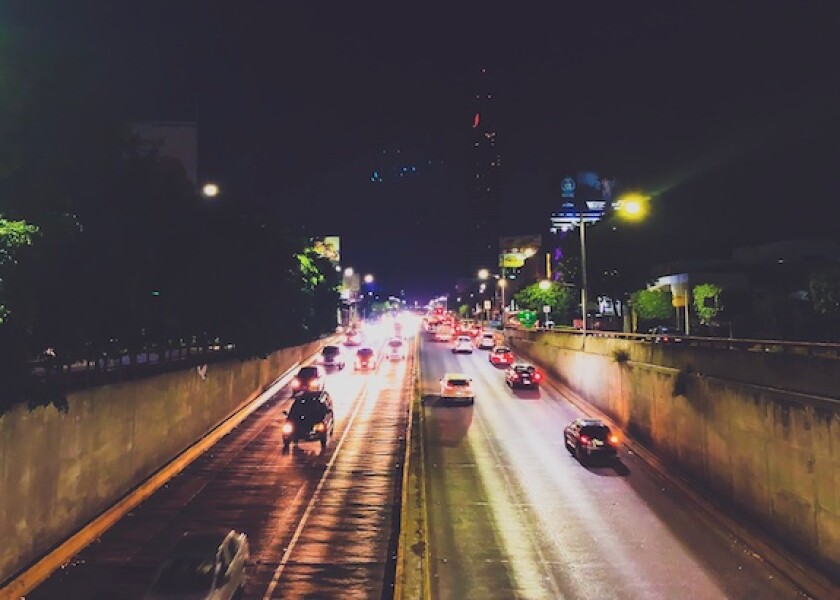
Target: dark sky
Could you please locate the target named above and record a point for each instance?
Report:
(728, 114)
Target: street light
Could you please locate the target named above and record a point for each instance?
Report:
(502, 285)
(483, 273)
(368, 279)
(348, 272)
(545, 284)
(210, 190)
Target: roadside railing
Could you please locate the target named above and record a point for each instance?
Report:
(821, 349)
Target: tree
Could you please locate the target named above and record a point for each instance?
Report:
(652, 304)
(824, 291)
(556, 296)
(707, 304)
(13, 236)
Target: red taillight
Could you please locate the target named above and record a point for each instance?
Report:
(584, 440)
(537, 376)
(516, 375)
(665, 339)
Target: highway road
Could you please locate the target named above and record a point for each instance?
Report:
(320, 523)
(513, 515)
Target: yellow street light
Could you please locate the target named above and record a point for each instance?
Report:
(633, 206)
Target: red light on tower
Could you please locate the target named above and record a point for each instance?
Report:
(476, 120)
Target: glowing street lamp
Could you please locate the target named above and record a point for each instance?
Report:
(545, 284)
(633, 206)
(368, 279)
(348, 272)
(483, 274)
(210, 190)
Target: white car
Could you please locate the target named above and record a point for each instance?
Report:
(463, 343)
(396, 349)
(203, 565)
(487, 341)
(457, 386)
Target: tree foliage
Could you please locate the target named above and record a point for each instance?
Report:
(824, 291)
(652, 304)
(556, 296)
(707, 302)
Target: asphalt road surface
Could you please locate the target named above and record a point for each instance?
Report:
(513, 515)
(319, 523)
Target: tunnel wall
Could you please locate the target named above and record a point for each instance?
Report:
(758, 431)
(60, 469)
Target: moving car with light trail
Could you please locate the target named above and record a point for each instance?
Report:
(365, 359)
(456, 387)
(500, 355)
(309, 379)
(590, 438)
(309, 419)
(203, 565)
(523, 375)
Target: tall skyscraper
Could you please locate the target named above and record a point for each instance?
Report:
(484, 199)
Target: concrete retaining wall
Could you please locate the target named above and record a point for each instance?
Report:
(59, 470)
(760, 432)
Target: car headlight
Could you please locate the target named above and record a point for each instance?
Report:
(319, 427)
(288, 428)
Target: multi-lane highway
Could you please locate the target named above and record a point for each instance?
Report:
(320, 523)
(513, 515)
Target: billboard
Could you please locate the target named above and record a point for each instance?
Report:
(515, 250)
(329, 247)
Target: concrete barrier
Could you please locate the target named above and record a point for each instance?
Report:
(759, 432)
(59, 470)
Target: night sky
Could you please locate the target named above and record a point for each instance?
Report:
(728, 114)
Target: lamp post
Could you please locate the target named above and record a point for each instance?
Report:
(502, 285)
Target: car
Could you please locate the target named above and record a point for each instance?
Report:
(665, 335)
(463, 343)
(208, 565)
(396, 349)
(365, 359)
(309, 379)
(456, 386)
(444, 333)
(590, 438)
(501, 355)
(331, 357)
(310, 418)
(487, 340)
(523, 375)
(353, 338)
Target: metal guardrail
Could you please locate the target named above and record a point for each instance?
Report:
(106, 368)
(820, 349)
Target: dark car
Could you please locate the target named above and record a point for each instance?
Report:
(365, 359)
(665, 335)
(523, 375)
(501, 355)
(331, 357)
(308, 379)
(309, 419)
(203, 565)
(590, 438)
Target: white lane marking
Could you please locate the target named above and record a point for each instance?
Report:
(278, 572)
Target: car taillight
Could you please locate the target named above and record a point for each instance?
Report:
(584, 439)
(516, 375)
(613, 440)
(288, 428)
(537, 376)
(665, 339)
